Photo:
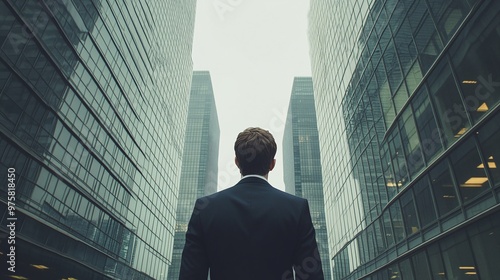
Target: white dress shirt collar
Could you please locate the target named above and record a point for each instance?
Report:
(254, 175)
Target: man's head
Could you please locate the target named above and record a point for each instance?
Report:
(255, 150)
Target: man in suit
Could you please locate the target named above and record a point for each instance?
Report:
(251, 230)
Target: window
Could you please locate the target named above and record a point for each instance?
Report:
(428, 43)
(392, 273)
(385, 95)
(457, 257)
(485, 243)
(452, 16)
(387, 225)
(420, 266)
(398, 159)
(406, 271)
(489, 137)
(393, 69)
(405, 45)
(449, 106)
(378, 232)
(426, 124)
(469, 170)
(411, 142)
(425, 204)
(409, 214)
(413, 78)
(388, 171)
(400, 97)
(443, 188)
(397, 221)
(436, 262)
(475, 56)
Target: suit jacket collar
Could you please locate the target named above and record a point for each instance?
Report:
(253, 180)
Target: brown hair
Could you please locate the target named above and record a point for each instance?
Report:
(255, 149)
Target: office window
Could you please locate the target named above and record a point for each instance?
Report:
(411, 143)
(469, 170)
(426, 124)
(436, 262)
(414, 77)
(457, 257)
(428, 43)
(405, 45)
(397, 221)
(489, 137)
(475, 56)
(485, 246)
(449, 106)
(388, 171)
(362, 247)
(420, 266)
(406, 271)
(443, 188)
(400, 97)
(392, 272)
(449, 14)
(409, 213)
(385, 95)
(392, 66)
(398, 159)
(387, 226)
(378, 232)
(425, 204)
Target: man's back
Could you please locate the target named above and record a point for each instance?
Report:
(251, 231)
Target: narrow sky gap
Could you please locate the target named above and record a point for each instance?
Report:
(253, 50)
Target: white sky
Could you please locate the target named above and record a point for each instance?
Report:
(253, 50)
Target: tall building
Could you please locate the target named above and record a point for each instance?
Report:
(200, 160)
(407, 99)
(93, 108)
(301, 157)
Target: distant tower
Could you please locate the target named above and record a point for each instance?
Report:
(302, 164)
(200, 160)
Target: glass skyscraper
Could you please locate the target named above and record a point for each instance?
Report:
(301, 158)
(93, 107)
(407, 98)
(200, 160)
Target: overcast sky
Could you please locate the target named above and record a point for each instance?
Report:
(253, 50)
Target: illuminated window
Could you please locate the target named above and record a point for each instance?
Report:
(443, 188)
(450, 109)
(489, 137)
(472, 180)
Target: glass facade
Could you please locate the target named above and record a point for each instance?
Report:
(93, 108)
(302, 164)
(200, 160)
(407, 96)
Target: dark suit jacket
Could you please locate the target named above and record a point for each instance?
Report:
(251, 231)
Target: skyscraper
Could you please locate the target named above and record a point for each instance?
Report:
(301, 157)
(407, 98)
(93, 108)
(200, 160)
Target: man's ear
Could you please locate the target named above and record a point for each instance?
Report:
(273, 163)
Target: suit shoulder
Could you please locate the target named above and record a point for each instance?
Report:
(290, 197)
(204, 201)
